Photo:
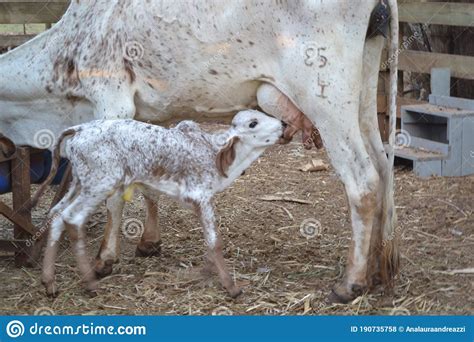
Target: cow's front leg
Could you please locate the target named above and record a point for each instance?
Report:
(110, 246)
(205, 211)
(112, 97)
(150, 243)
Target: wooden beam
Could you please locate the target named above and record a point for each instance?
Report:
(14, 40)
(423, 62)
(21, 181)
(17, 219)
(13, 245)
(439, 13)
(31, 12)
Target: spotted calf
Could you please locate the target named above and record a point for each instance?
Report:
(110, 156)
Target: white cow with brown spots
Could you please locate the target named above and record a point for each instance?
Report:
(165, 61)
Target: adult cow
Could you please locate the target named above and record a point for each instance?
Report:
(168, 60)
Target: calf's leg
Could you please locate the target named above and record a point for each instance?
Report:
(55, 211)
(76, 216)
(205, 212)
(109, 249)
(150, 243)
(47, 278)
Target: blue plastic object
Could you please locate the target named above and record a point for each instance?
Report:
(40, 165)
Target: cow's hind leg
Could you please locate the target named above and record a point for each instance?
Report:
(150, 243)
(351, 160)
(384, 218)
(109, 249)
(337, 116)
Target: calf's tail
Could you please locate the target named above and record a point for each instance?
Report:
(56, 156)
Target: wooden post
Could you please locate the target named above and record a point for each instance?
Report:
(21, 196)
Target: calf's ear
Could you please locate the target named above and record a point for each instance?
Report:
(7, 147)
(226, 156)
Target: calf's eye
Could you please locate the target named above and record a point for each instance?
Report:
(253, 124)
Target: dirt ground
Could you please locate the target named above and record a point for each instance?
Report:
(282, 271)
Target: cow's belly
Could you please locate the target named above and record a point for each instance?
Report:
(188, 77)
(205, 104)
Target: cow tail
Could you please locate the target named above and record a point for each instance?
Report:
(390, 260)
(56, 158)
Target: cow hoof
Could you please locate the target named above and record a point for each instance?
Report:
(235, 291)
(103, 268)
(148, 249)
(340, 294)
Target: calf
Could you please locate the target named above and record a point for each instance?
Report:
(108, 157)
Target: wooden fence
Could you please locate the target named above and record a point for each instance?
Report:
(437, 13)
(428, 13)
(23, 12)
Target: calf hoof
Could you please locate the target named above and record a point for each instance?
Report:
(51, 289)
(103, 268)
(209, 269)
(148, 249)
(91, 288)
(341, 295)
(235, 291)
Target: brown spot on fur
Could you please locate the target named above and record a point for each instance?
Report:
(129, 70)
(158, 172)
(226, 157)
(71, 98)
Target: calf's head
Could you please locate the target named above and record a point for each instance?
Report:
(254, 131)
(257, 130)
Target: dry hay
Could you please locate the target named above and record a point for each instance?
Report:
(282, 271)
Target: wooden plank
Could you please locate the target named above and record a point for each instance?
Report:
(439, 13)
(14, 40)
(423, 62)
(17, 219)
(31, 12)
(21, 198)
